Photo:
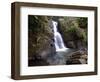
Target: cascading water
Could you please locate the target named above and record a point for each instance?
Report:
(59, 44)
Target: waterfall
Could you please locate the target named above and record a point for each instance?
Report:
(59, 44)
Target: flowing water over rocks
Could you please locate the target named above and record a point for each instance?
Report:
(62, 52)
(59, 43)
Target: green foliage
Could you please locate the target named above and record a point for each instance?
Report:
(73, 29)
(82, 22)
(74, 33)
(85, 37)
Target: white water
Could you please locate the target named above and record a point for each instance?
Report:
(59, 44)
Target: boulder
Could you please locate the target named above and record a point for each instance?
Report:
(78, 57)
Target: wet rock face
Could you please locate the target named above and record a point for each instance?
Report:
(40, 41)
(71, 44)
(47, 50)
